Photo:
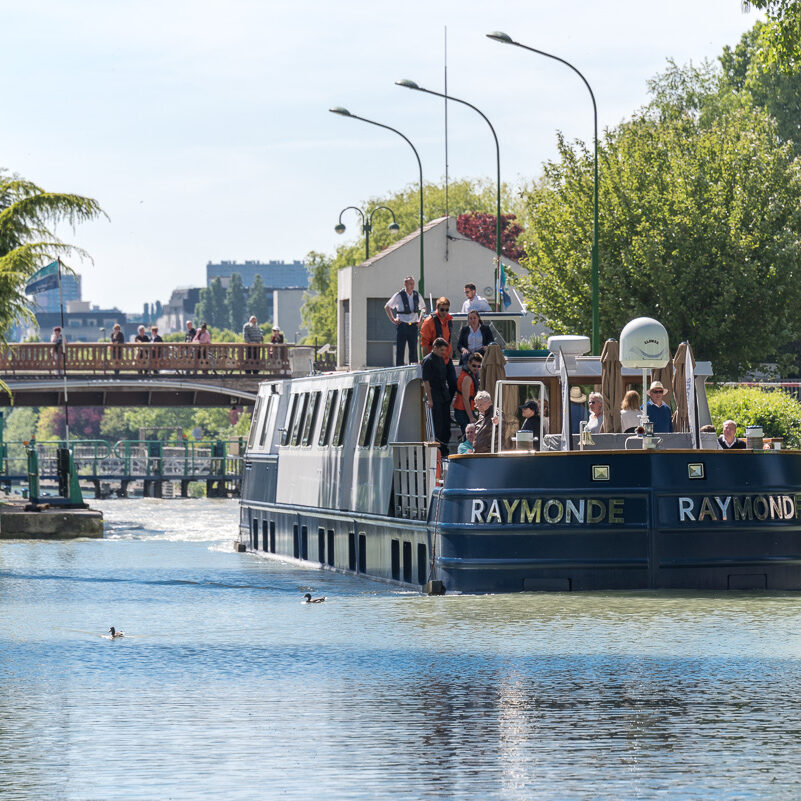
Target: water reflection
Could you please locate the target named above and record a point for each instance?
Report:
(233, 689)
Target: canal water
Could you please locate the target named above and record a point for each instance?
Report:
(227, 687)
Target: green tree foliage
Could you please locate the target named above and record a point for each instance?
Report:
(258, 303)
(700, 226)
(211, 307)
(27, 216)
(84, 422)
(20, 425)
(466, 196)
(235, 303)
(779, 413)
(777, 91)
(782, 44)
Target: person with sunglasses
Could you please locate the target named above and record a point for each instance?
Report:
(596, 404)
(435, 326)
(659, 413)
(474, 302)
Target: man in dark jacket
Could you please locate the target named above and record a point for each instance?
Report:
(438, 396)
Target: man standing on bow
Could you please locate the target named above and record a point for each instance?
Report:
(439, 325)
(474, 302)
(438, 397)
(405, 310)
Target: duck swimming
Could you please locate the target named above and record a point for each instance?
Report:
(115, 634)
(309, 600)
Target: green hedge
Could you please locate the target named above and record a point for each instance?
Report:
(779, 413)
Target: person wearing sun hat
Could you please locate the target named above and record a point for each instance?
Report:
(578, 411)
(659, 413)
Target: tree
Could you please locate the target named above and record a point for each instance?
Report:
(27, 242)
(319, 311)
(777, 91)
(211, 306)
(235, 303)
(782, 46)
(84, 422)
(258, 303)
(700, 227)
(482, 227)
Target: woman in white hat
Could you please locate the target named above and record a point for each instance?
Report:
(659, 413)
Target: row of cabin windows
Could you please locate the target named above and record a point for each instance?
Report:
(304, 408)
(400, 567)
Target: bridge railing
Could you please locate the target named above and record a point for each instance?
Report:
(133, 458)
(103, 358)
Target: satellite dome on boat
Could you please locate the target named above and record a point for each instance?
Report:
(644, 344)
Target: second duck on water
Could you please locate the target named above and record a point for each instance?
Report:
(115, 634)
(309, 600)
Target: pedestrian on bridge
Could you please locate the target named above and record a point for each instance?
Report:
(155, 353)
(117, 339)
(57, 343)
(203, 337)
(142, 354)
(252, 334)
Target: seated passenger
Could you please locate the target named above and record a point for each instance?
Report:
(728, 439)
(531, 420)
(630, 412)
(659, 413)
(596, 404)
(483, 440)
(469, 439)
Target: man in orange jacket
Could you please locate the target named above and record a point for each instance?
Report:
(439, 325)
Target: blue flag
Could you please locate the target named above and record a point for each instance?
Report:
(46, 278)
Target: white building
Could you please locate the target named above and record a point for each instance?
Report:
(365, 335)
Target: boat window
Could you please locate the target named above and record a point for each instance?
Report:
(289, 421)
(327, 426)
(385, 418)
(254, 422)
(342, 416)
(370, 410)
(311, 419)
(298, 425)
(266, 417)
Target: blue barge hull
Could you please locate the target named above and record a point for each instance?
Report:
(597, 520)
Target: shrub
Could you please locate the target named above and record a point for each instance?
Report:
(778, 412)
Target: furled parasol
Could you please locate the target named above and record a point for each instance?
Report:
(611, 386)
(681, 417)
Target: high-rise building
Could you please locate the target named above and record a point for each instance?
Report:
(275, 274)
(48, 301)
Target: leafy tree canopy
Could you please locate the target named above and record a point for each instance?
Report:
(700, 226)
(782, 43)
(27, 216)
(235, 303)
(258, 303)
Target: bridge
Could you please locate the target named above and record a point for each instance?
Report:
(146, 374)
(157, 464)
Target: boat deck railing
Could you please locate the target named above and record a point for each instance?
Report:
(413, 477)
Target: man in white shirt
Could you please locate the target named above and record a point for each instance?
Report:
(474, 302)
(405, 310)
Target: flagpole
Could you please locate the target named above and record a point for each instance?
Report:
(64, 358)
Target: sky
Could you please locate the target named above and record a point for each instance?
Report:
(202, 126)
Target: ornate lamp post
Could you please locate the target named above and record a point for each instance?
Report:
(504, 38)
(345, 113)
(367, 224)
(412, 85)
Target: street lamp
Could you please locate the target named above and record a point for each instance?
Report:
(367, 224)
(504, 38)
(417, 88)
(345, 113)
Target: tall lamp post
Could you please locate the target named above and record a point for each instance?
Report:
(412, 85)
(345, 113)
(367, 224)
(504, 38)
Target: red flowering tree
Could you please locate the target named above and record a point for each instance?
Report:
(481, 228)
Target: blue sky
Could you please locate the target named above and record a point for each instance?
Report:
(202, 127)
